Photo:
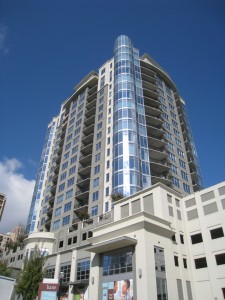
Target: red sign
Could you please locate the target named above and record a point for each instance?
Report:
(53, 287)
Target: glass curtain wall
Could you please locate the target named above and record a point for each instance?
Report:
(131, 167)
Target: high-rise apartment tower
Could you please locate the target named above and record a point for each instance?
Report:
(123, 129)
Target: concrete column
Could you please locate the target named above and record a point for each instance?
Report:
(94, 277)
(73, 273)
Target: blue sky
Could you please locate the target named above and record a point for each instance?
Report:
(46, 47)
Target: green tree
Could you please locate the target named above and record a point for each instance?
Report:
(3, 269)
(31, 276)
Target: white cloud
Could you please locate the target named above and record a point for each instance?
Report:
(18, 191)
(3, 34)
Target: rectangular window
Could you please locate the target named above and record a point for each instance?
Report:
(98, 146)
(63, 176)
(200, 263)
(74, 150)
(67, 206)
(96, 182)
(61, 187)
(70, 182)
(186, 188)
(72, 170)
(68, 146)
(100, 116)
(66, 269)
(100, 108)
(107, 191)
(66, 220)
(176, 132)
(97, 157)
(182, 164)
(117, 262)
(58, 211)
(69, 194)
(176, 262)
(83, 269)
(99, 135)
(108, 152)
(56, 224)
(97, 169)
(99, 126)
(107, 177)
(173, 169)
(196, 238)
(181, 238)
(175, 182)
(181, 153)
(217, 233)
(172, 156)
(59, 199)
(94, 210)
(95, 196)
(64, 166)
(73, 159)
(184, 175)
(220, 259)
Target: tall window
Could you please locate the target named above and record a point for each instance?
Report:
(117, 262)
(83, 269)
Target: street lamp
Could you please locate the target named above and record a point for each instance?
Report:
(61, 276)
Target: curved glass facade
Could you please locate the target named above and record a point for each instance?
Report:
(39, 184)
(131, 167)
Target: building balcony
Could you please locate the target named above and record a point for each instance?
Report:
(196, 186)
(159, 167)
(157, 154)
(146, 70)
(82, 194)
(88, 139)
(91, 104)
(192, 164)
(151, 94)
(61, 142)
(55, 179)
(154, 132)
(84, 170)
(49, 211)
(90, 112)
(154, 121)
(60, 150)
(88, 129)
(149, 85)
(53, 189)
(86, 149)
(92, 91)
(150, 102)
(90, 120)
(148, 76)
(56, 169)
(156, 143)
(51, 199)
(64, 124)
(85, 159)
(79, 208)
(163, 179)
(48, 222)
(156, 112)
(83, 182)
(58, 159)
